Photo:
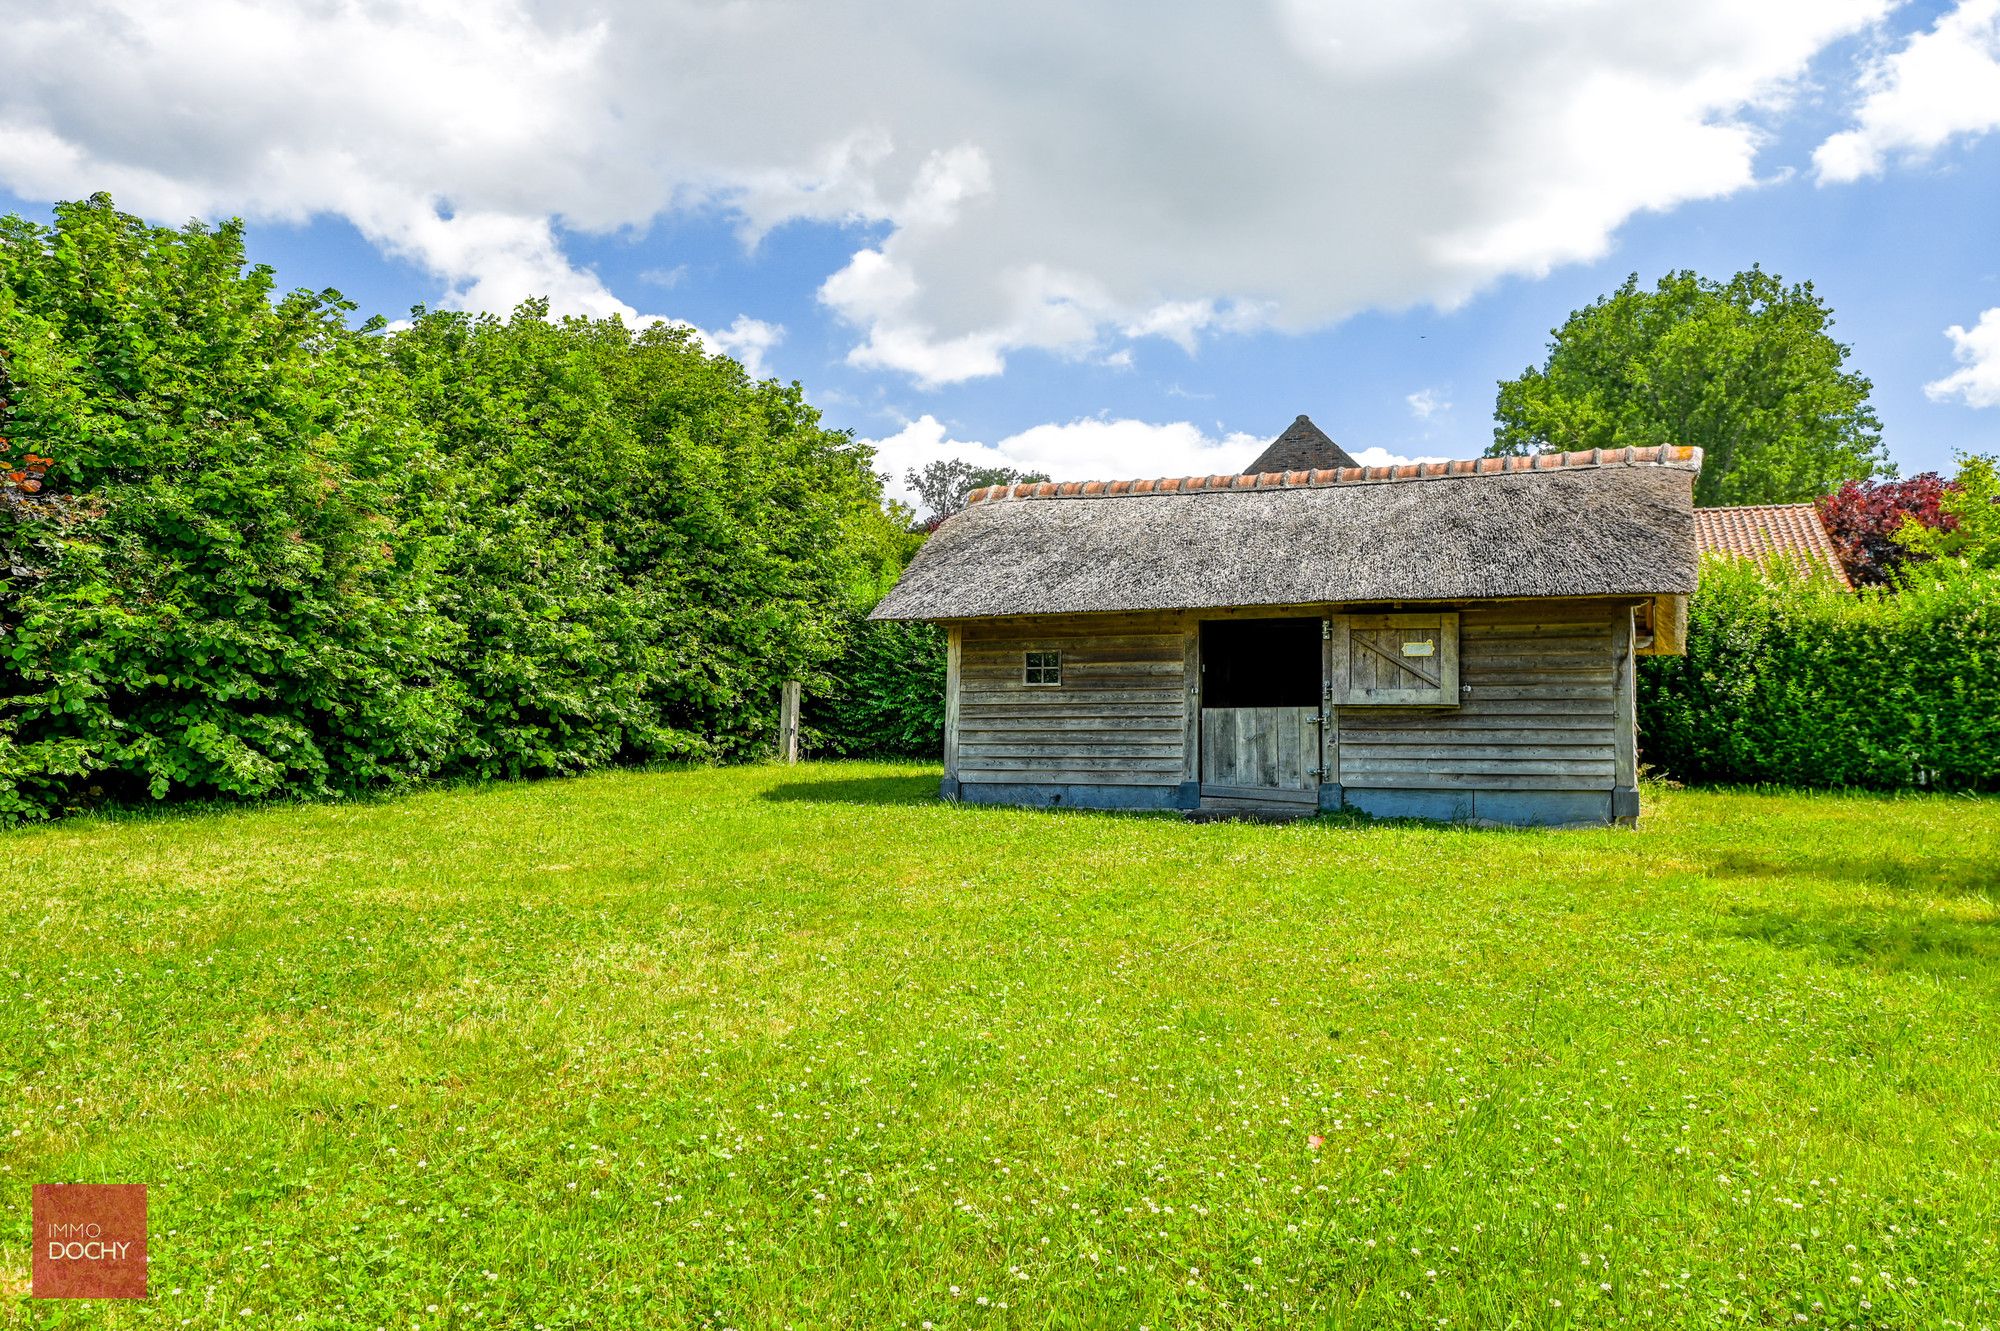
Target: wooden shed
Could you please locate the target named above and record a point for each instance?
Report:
(1443, 640)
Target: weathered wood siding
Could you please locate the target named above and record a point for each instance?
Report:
(1539, 708)
(1117, 719)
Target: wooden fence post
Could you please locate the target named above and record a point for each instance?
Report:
(788, 723)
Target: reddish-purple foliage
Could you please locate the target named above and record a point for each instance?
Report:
(1863, 517)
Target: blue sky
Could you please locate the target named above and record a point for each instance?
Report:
(1020, 242)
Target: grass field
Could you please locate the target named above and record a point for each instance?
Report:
(766, 1047)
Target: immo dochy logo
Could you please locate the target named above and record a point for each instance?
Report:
(90, 1241)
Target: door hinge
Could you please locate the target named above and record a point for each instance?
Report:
(1326, 630)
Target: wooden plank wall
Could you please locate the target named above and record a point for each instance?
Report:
(1543, 711)
(1118, 719)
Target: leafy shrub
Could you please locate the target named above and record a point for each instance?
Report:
(1968, 529)
(884, 696)
(637, 542)
(1794, 681)
(1863, 518)
(228, 613)
(258, 552)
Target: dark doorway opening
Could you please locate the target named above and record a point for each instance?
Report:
(1260, 663)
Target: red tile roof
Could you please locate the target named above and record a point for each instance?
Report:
(1665, 456)
(1791, 532)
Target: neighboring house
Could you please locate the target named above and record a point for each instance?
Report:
(1792, 533)
(1442, 640)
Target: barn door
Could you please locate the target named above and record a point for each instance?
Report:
(1260, 709)
(1261, 748)
(1396, 660)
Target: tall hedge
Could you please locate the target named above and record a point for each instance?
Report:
(230, 607)
(884, 696)
(638, 543)
(1799, 682)
(275, 553)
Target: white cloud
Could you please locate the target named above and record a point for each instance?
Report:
(1178, 321)
(1085, 450)
(1941, 84)
(1040, 175)
(1108, 449)
(1382, 457)
(747, 340)
(447, 134)
(1977, 380)
(1079, 450)
(1427, 402)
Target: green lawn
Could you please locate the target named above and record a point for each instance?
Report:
(766, 1047)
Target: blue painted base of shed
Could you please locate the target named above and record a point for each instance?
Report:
(1065, 796)
(1511, 808)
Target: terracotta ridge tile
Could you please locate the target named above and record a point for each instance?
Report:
(1666, 455)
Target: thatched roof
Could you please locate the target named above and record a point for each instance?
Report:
(1602, 523)
(1302, 447)
(1792, 533)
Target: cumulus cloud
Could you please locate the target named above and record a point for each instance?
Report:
(1427, 402)
(1042, 175)
(747, 340)
(1382, 457)
(1940, 85)
(1078, 450)
(1084, 450)
(1977, 380)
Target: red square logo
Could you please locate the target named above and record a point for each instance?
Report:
(90, 1241)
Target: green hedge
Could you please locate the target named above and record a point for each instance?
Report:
(883, 697)
(276, 554)
(1799, 682)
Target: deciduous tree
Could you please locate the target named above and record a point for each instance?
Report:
(1747, 370)
(944, 484)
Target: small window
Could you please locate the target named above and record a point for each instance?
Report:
(1042, 668)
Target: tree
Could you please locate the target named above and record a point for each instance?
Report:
(1972, 507)
(944, 484)
(1745, 370)
(1865, 518)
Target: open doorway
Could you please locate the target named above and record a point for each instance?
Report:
(1261, 692)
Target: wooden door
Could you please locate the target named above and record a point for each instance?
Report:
(1270, 751)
